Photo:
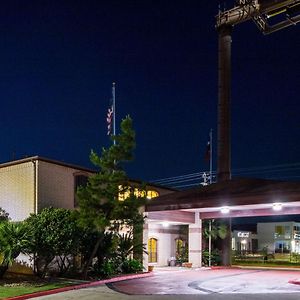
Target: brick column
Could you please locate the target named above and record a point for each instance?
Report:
(145, 243)
(195, 242)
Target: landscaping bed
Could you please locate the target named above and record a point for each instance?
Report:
(268, 263)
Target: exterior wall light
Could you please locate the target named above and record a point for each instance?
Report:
(277, 206)
(225, 210)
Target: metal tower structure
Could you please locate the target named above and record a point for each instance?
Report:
(269, 16)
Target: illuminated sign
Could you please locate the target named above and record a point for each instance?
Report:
(243, 234)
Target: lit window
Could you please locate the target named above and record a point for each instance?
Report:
(152, 250)
(139, 193)
(152, 194)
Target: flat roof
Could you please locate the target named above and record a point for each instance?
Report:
(48, 160)
(73, 166)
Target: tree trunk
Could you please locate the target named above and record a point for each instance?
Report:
(226, 247)
(93, 254)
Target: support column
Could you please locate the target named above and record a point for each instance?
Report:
(227, 245)
(145, 242)
(195, 242)
(224, 71)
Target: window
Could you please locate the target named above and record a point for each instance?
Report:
(278, 231)
(282, 247)
(79, 180)
(282, 232)
(179, 244)
(181, 250)
(152, 194)
(152, 250)
(139, 193)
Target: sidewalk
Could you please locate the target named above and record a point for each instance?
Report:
(81, 286)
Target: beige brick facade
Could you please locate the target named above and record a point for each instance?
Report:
(32, 184)
(56, 185)
(29, 185)
(17, 191)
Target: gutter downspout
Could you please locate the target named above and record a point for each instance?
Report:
(35, 191)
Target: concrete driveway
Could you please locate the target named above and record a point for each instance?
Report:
(207, 281)
(231, 283)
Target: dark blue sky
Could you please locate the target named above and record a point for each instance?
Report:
(59, 58)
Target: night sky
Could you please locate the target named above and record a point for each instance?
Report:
(59, 58)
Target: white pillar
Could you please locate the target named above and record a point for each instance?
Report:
(195, 242)
(145, 243)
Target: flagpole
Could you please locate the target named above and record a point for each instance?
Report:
(209, 244)
(114, 108)
(210, 155)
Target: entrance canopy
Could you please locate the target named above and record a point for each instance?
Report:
(232, 198)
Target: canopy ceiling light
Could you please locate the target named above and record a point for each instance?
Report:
(277, 206)
(165, 224)
(225, 210)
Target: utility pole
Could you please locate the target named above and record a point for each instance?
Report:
(260, 11)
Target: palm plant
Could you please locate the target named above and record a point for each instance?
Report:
(13, 240)
(217, 230)
(212, 230)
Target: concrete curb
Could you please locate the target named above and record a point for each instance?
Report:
(81, 286)
(255, 268)
(294, 281)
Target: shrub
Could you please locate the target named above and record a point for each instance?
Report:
(215, 257)
(55, 238)
(13, 240)
(106, 269)
(131, 266)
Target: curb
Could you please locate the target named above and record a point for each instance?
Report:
(221, 267)
(294, 281)
(255, 268)
(80, 286)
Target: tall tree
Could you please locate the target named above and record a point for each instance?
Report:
(99, 205)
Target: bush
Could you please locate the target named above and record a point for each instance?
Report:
(55, 239)
(131, 266)
(215, 257)
(106, 269)
(295, 257)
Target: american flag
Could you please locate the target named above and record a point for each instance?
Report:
(109, 120)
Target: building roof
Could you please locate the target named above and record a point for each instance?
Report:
(52, 161)
(232, 192)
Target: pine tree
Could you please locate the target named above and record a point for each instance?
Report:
(99, 205)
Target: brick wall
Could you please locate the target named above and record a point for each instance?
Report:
(55, 185)
(17, 190)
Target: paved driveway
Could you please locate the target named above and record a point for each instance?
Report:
(224, 281)
(238, 284)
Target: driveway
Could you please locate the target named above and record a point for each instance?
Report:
(231, 283)
(221, 281)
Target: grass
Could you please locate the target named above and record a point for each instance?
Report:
(21, 285)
